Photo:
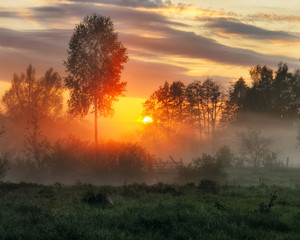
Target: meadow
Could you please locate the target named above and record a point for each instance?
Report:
(245, 206)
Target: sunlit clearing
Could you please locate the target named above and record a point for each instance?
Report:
(147, 120)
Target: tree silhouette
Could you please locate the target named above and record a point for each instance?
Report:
(29, 101)
(212, 104)
(254, 146)
(194, 97)
(262, 88)
(94, 65)
(30, 98)
(177, 97)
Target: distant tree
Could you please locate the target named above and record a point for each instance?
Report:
(238, 93)
(177, 97)
(212, 105)
(95, 61)
(261, 91)
(236, 101)
(194, 108)
(282, 90)
(176, 106)
(254, 146)
(30, 98)
(29, 101)
(151, 108)
(164, 104)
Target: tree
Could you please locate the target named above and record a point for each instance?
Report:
(281, 90)
(31, 98)
(194, 97)
(95, 61)
(164, 104)
(254, 146)
(261, 92)
(29, 101)
(295, 93)
(212, 105)
(238, 94)
(177, 97)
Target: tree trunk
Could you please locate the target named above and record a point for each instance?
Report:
(96, 123)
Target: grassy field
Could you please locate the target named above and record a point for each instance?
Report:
(204, 210)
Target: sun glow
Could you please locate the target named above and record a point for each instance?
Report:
(147, 120)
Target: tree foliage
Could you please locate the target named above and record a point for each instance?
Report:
(31, 98)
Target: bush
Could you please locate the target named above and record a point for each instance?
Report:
(162, 188)
(209, 186)
(271, 161)
(96, 199)
(112, 161)
(225, 156)
(67, 154)
(205, 167)
(4, 165)
(209, 167)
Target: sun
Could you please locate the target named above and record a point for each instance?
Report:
(147, 120)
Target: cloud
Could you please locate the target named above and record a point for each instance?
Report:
(130, 3)
(150, 76)
(173, 42)
(47, 42)
(48, 48)
(190, 45)
(125, 17)
(7, 14)
(233, 27)
(275, 17)
(43, 49)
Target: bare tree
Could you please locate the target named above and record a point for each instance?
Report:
(254, 146)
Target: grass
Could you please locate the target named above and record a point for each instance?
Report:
(286, 177)
(138, 211)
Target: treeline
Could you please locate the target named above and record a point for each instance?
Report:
(205, 108)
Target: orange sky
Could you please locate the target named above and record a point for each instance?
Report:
(166, 41)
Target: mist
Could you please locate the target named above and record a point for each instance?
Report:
(46, 143)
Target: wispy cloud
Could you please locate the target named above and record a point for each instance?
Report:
(236, 28)
(129, 3)
(275, 17)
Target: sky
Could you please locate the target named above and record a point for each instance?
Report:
(166, 40)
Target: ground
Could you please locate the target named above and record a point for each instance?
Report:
(204, 210)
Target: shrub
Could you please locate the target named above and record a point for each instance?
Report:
(78, 159)
(209, 167)
(96, 199)
(271, 161)
(4, 165)
(162, 188)
(209, 186)
(204, 167)
(225, 156)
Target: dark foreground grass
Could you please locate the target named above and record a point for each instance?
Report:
(30, 211)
